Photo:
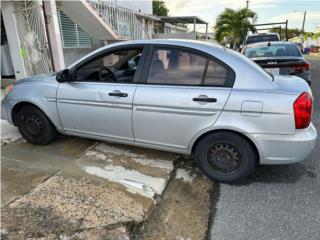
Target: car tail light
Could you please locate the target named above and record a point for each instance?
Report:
(302, 110)
(300, 67)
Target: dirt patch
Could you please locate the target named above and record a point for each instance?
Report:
(183, 210)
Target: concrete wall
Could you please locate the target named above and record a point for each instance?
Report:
(144, 6)
(73, 54)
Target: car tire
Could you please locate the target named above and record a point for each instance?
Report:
(225, 156)
(34, 126)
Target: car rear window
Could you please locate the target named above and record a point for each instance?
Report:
(262, 38)
(274, 50)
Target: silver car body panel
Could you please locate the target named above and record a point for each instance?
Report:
(86, 108)
(165, 117)
(39, 90)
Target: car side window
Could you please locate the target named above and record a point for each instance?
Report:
(177, 67)
(119, 66)
(216, 74)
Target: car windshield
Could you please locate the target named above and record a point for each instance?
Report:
(274, 50)
(262, 38)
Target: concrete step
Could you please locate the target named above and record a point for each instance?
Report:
(89, 19)
(145, 172)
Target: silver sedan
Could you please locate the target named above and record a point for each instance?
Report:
(187, 97)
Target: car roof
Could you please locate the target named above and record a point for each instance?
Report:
(262, 34)
(196, 44)
(260, 44)
(177, 42)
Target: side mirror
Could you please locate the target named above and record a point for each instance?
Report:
(63, 76)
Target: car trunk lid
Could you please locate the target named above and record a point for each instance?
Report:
(291, 84)
(283, 65)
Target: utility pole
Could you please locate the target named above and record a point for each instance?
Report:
(304, 20)
(287, 30)
(247, 2)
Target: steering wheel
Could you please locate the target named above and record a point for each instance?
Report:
(101, 75)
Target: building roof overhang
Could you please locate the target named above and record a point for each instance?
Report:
(183, 20)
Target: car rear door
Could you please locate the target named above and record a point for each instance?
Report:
(90, 107)
(184, 93)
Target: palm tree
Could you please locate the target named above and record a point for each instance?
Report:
(233, 25)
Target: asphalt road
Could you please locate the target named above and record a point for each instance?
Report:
(276, 202)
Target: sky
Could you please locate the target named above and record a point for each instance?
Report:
(267, 11)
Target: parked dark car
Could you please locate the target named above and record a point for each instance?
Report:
(279, 58)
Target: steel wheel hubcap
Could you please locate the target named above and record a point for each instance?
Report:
(224, 157)
(33, 125)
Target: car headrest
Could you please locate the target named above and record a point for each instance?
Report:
(156, 66)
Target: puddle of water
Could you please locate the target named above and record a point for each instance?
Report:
(115, 150)
(133, 180)
(163, 164)
(138, 158)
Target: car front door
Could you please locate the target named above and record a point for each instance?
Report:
(184, 93)
(98, 101)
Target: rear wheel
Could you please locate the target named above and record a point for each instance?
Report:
(34, 126)
(225, 156)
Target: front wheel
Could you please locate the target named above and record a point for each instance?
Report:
(34, 126)
(225, 156)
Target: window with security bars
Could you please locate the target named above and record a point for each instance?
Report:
(72, 35)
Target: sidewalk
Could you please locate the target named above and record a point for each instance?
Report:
(81, 189)
(8, 132)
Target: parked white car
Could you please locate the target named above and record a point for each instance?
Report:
(187, 97)
(262, 37)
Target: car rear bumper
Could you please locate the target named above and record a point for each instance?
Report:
(284, 149)
(6, 108)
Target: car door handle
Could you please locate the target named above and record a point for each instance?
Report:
(204, 99)
(118, 94)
